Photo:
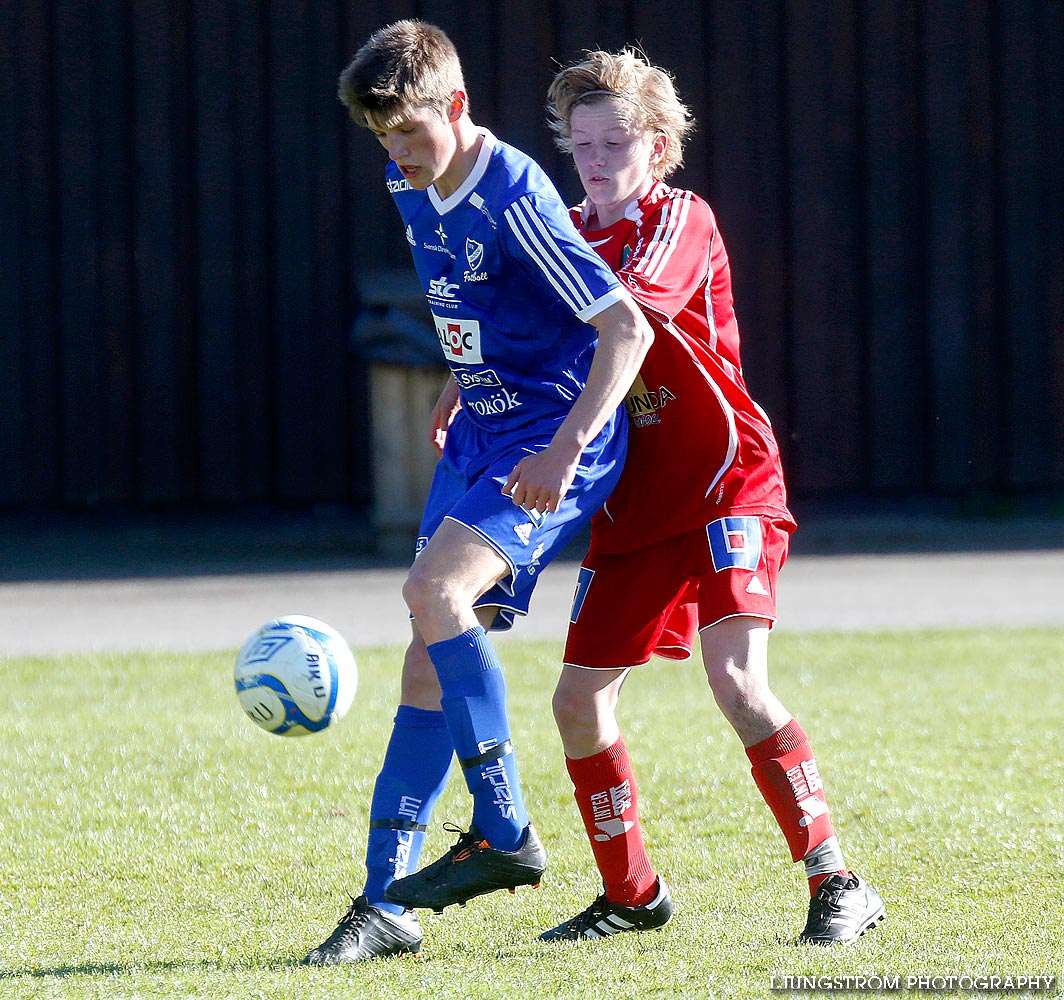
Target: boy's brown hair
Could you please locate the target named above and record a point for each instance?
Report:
(645, 94)
(405, 64)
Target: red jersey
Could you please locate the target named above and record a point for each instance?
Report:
(699, 448)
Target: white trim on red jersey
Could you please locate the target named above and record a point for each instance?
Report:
(666, 236)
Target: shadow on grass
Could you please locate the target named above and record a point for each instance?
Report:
(94, 969)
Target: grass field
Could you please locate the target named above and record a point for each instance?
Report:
(153, 843)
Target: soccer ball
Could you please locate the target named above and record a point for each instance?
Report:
(295, 676)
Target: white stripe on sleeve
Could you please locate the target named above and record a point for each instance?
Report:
(542, 248)
(665, 237)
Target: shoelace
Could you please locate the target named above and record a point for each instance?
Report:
(352, 920)
(468, 842)
(597, 911)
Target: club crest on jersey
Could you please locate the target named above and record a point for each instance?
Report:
(474, 252)
(735, 542)
(460, 340)
(475, 256)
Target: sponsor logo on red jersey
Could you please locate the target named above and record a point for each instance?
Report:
(735, 542)
(643, 403)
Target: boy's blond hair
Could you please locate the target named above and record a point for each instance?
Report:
(645, 95)
(403, 65)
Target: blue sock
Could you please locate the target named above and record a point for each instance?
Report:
(411, 779)
(474, 704)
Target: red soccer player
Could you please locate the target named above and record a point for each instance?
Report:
(699, 519)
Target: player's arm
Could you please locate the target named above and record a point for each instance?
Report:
(443, 412)
(541, 481)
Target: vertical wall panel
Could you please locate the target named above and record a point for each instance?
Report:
(743, 128)
(1049, 324)
(312, 281)
(823, 145)
(94, 288)
(949, 300)
(215, 110)
(111, 102)
(1026, 434)
(35, 155)
(598, 24)
(524, 33)
(290, 153)
(80, 376)
(895, 373)
(984, 268)
(11, 380)
(333, 301)
(477, 48)
(251, 402)
(163, 273)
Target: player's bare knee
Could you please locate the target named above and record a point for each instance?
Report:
(570, 715)
(749, 705)
(583, 723)
(736, 692)
(734, 704)
(423, 592)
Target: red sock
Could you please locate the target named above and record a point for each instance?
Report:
(605, 793)
(786, 774)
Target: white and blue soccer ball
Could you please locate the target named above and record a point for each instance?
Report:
(295, 676)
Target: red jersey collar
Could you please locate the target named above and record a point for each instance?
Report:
(637, 208)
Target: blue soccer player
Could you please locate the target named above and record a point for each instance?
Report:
(543, 343)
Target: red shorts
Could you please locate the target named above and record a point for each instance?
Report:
(653, 601)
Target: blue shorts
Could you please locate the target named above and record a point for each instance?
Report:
(467, 488)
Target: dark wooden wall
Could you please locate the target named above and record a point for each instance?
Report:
(185, 213)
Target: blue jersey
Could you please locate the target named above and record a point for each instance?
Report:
(511, 286)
